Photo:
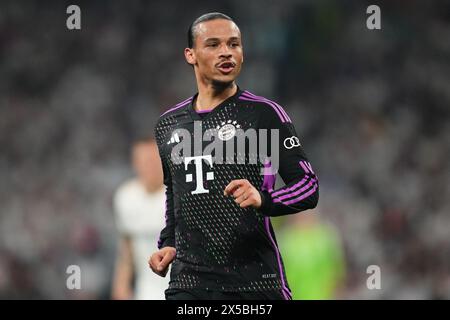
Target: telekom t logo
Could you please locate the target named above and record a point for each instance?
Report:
(198, 161)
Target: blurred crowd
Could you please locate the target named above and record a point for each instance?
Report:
(372, 109)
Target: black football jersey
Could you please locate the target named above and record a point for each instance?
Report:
(219, 245)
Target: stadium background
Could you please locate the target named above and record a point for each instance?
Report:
(371, 107)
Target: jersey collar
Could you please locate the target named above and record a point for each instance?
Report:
(196, 116)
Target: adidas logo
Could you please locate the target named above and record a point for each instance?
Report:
(174, 138)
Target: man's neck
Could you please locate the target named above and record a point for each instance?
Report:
(212, 95)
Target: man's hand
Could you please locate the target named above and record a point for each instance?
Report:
(244, 194)
(160, 260)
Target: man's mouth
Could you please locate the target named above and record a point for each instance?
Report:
(226, 67)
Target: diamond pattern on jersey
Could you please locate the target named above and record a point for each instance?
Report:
(184, 281)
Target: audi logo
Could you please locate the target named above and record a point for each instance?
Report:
(291, 142)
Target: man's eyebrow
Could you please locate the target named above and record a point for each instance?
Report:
(211, 39)
(217, 39)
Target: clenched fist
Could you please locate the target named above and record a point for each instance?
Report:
(160, 260)
(244, 193)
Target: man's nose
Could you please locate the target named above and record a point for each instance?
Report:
(225, 55)
(225, 52)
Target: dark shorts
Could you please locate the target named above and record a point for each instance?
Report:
(202, 294)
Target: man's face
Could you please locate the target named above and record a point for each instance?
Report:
(217, 54)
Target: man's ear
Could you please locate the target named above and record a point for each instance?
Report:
(190, 56)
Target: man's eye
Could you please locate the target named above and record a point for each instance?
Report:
(212, 45)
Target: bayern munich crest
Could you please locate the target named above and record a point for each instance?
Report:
(227, 129)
